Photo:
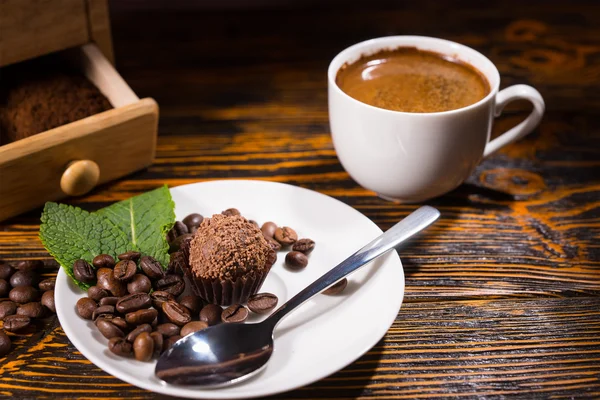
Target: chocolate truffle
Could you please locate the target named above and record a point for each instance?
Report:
(227, 259)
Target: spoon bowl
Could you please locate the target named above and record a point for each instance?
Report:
(202, 358)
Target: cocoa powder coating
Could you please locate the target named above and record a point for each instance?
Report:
(227, 247)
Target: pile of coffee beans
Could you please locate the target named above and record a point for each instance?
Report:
(29, 297)
(141, 308)
(133, 301)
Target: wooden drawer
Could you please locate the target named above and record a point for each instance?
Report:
(45, 167)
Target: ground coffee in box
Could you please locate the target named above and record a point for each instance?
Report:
(41, 94)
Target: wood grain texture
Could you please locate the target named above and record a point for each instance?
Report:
(502, 294)
(31, 28)
(99, 26)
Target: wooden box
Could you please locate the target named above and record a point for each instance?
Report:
(74, 158)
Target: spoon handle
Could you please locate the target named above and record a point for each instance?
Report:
(403, 230)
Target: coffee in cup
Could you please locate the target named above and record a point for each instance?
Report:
(411, 80)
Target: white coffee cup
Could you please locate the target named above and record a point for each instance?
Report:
(412, 157)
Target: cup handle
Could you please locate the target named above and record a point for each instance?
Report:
(504, 97)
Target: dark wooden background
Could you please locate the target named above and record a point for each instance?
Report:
(502, 295)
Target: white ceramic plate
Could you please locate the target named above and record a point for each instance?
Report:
(323, 336)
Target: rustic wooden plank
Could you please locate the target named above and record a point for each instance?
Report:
(536, 348)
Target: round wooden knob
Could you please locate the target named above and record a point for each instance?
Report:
(80, 177)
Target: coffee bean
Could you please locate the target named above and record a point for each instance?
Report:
(103, 261)
(171, 236)
(274, 244)
(176, 263)
(125, 270)
(285, 236)
(176, 313)
(102, 274)
(86, 307)
(6, 270)
(158, 297)
(4, 288)
(120, 347)
(108, 301)
(133, 302)
(173, 284)
(178, 229)
(23, 294)
(168, 329)
(134, 333)
(30, 265)
(151, 267)
(192, 303)
(24, 278)
(107, 281)
(231, 212)
(271, 258)
(48, 300)
(304, 245)
(296, 260)
(5, 344)
(268, 229)
(108, 317)
(253, 222)
(13, 323)
(31, 310)
(141, 316)
(130, 255)
(84, 272)
(139, 284)
(108, 329)
(262, 303)
(169, 342)
(193, 221)
(47, 284)
(192, 327)
(120, 323)
(97, 293)
(143, 347)
(179, 242)
(337, 288)
(7, 308)
(211, 314)
(158, 340)
(234, 313)
(103, 310)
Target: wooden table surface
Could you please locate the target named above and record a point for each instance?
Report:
(502, 294)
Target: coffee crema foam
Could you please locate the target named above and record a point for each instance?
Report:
(411, 80)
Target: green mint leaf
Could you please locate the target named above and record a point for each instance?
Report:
(145, 219)
(70, 233)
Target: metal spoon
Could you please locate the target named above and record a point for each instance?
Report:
(228, 353)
